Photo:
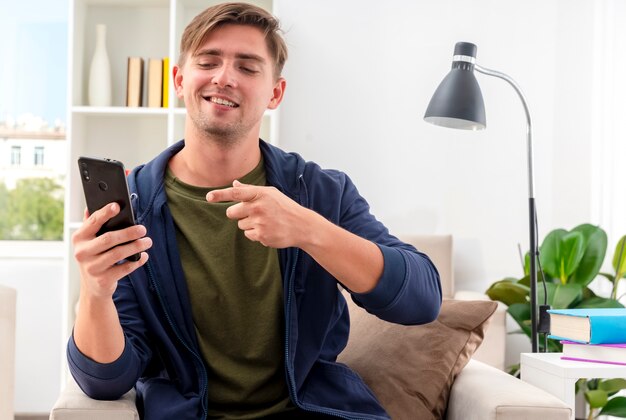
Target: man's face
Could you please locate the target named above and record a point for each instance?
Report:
(228, 83)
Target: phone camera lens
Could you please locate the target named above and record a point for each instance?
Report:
(86, 175)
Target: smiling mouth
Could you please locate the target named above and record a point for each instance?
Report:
(221, 101)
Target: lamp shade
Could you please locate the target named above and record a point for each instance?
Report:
(458, 101)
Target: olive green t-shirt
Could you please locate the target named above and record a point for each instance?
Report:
(236, 293)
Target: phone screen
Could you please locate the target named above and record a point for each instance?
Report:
(104, 182)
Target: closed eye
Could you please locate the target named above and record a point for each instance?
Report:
(249, 70)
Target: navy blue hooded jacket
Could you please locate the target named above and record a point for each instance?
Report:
(162, 358)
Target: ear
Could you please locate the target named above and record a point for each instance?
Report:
(177, 74)
(277, 93)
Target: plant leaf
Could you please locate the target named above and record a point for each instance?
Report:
(619, 257)
(599, 302)
(549, 252)
(565, 295)
(550, 287)
(595, 251)
(609, 277)
(527, 263)
(612, 385)
(521, 314)
(588, 293)
(508, 291)
(525, 281)
(596, 398)
(572, 251)
(615, 407)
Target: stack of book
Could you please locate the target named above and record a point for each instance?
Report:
(156, 81)
(590, 335)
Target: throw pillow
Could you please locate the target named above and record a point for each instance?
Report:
(411, 368)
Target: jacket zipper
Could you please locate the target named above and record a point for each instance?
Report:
(290, 374)
(290, 281)
(290, 377)
(197, 360)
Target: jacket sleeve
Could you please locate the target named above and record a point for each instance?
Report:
(109, 381)
(409, 289)
(408, 292)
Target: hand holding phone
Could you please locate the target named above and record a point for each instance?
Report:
(104, 182)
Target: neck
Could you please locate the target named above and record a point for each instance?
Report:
(206, 162)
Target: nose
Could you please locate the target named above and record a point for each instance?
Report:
(224, 76)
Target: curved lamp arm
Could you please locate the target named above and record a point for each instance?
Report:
(531, 207)
(489, 72)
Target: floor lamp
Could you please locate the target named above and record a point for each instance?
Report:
(458, 103)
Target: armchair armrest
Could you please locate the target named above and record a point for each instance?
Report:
(73, 404)
(481, 392)
(8, 299)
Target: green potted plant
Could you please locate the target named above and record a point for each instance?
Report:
(570, 261)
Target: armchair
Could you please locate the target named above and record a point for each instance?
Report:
(480, 391)
(8, 299)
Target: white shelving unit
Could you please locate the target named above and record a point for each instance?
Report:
(144, 28)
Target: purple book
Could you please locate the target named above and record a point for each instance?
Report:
(614, 354)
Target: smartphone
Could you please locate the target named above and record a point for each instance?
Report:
(104, 182)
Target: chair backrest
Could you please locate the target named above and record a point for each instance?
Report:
(439, 250)
(8, 298)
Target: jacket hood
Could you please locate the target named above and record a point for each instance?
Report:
(147, 180)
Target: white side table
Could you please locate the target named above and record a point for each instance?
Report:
(558, 377)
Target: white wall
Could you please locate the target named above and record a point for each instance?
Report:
(359, 78)
(35, 270)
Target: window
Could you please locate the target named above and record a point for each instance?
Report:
(32, 115)
(16, 155)
(38, 156)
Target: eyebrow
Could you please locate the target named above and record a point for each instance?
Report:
(240, 56)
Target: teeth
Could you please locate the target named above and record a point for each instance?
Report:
(221, 101)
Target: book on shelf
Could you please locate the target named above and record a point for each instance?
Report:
(134, 82)
(155, 82)
(614, 354)
(166, 82)
(588, 325)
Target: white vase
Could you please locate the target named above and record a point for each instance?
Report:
(100, 71)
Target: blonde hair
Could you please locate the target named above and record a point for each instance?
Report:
(239, 14)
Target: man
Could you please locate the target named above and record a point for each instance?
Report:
(237, 313)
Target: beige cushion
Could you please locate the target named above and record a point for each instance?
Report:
(492, 349)
(411, 368)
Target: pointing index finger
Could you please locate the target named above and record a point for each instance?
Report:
(238, 192)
